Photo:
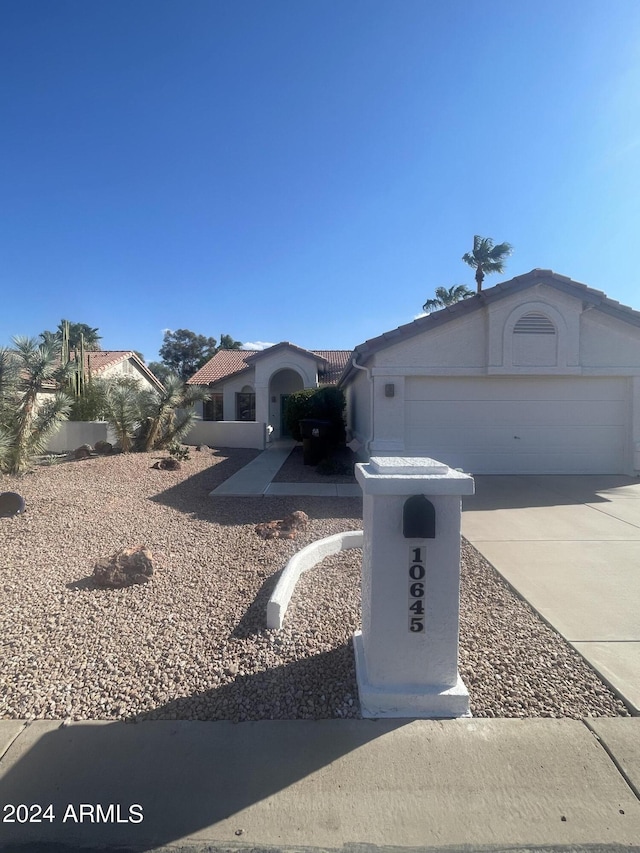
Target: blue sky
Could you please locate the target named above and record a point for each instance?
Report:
(306, 170)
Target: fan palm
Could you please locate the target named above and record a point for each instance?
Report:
(486, 257)
(447, 296)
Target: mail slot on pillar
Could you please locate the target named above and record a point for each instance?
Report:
(407, 651)
(418, 518)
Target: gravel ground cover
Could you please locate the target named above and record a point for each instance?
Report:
(191, 644)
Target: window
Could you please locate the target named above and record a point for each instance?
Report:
(212, 409)
(246, 406)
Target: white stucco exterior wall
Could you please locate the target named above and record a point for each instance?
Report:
(588, 342)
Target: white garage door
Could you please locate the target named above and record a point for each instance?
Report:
(519, 425)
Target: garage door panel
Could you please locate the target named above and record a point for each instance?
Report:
(540, 413)
(518, 387)
(519, 424)
(507, 441)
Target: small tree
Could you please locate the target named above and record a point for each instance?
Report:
(160, 370)
(27, 418)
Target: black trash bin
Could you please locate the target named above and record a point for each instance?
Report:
(316, 434)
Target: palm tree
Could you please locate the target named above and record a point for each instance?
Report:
(447, 296)
(77, 333)
(26, 422)
(486, 258)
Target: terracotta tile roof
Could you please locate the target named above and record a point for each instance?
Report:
(225, 363)
(337, 360)
(101, 359)
(98, 361)
(228, 363)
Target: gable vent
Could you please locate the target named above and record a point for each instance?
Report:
(534, 323)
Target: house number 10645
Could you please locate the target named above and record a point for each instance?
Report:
(417, 574)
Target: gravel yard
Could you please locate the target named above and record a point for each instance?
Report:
(191, 644)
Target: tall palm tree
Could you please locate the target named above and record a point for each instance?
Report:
(486, 257)
(27, 422)
(447, 296)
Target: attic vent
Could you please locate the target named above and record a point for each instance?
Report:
(534, 323)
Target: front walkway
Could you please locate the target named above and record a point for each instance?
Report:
(255, 479)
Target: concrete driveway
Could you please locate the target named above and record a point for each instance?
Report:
(570, 545)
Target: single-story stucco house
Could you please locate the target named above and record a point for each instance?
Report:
(248, 391)
(107, 364)
(101, 364)
(537, 375)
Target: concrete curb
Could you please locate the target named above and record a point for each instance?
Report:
(301, 562)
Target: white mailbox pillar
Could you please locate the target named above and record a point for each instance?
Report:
(407, 651)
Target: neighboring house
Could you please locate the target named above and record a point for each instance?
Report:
(253, 387)
(537, 375)
(108, 364)
(102, 364)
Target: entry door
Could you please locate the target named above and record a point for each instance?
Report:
(284, 430)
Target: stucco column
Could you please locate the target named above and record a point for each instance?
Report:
(262, 403)
(407, 651)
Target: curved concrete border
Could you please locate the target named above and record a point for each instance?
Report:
(301, 562)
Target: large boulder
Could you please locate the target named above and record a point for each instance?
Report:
(126, 567)
(285, 528)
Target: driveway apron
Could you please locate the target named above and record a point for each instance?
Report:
(570, 545)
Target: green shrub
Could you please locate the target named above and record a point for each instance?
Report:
(327, 404)
(91, 404)
(298, 406)
(177, 451)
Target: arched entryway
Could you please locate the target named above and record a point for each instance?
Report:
(281, 384)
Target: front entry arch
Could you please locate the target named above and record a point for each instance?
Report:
(281, 384)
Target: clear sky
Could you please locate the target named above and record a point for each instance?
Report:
(306, 170)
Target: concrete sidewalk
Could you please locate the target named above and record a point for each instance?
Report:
(336, 784)
(252, 480)
(570, 545)
(256, 479)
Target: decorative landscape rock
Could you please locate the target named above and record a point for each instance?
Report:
(126, 567)
(286, 528)
(103, 447)
(167, 465)
(11, 503)
(82, 452)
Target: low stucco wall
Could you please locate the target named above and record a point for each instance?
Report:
(247, 434)
(73, 434)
